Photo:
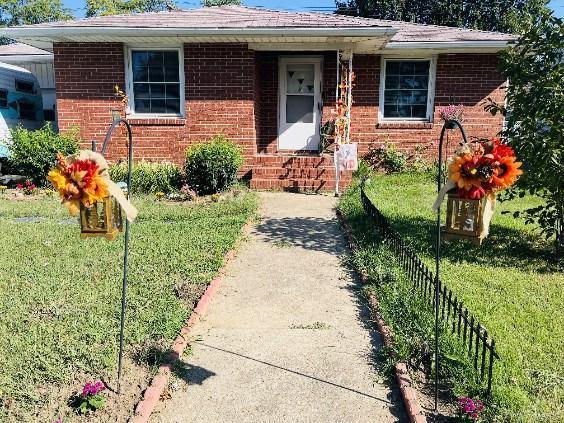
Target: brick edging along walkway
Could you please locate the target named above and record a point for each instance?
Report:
(152, 394)
(408, 394)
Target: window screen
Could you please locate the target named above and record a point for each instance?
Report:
(26, 110)
(156, 81)
(3, 99)
(406, 89)
(24, 86)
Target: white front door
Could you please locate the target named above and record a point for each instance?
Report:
(300, 103)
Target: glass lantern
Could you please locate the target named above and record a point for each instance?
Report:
(101, 219)
(465, 219)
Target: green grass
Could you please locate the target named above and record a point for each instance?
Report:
(512, 283)
(60, 297)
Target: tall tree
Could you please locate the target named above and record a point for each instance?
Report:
(116, 7)
(210, 3)
(25, 12)
(487, 15)
(535, 101)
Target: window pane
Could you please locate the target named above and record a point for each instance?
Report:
(299, 108)
(141, 91)
(140, 74)
(419, 111)
(173, 106)
(139, 58)
(300, 79)
(156, 74)
(155, 59)
(419, 97)
(158, 106)
(421, 67)
(391, 97)
(142, 106)
(171, 74)
(407, 68)
(392, 68)
(392, 81)
(157, 91)
(172, 91)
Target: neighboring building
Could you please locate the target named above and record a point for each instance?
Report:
(38, 62)
(266, 79)
(20, 101)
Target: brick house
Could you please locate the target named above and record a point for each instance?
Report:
(266, 79)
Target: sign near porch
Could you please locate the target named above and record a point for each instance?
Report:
(347, 156)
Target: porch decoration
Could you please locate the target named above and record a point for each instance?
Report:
(476, 172)
(84, 186)
(345, 157)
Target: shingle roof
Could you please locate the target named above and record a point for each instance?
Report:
(21, 49)
(235, 17)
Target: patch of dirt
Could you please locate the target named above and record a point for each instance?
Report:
(425, 388)
(119, 408)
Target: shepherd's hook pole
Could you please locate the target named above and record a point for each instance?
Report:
(115, 124)
(447, 124)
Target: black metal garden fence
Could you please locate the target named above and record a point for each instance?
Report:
(480, 346)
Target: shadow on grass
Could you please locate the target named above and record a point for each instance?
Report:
(504, 247)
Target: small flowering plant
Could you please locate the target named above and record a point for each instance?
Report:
(28, 188)
(91, 398)
(482, 168)
(452, 112)
(469, 409)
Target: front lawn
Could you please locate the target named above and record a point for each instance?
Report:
(60, 296)
(511, 283)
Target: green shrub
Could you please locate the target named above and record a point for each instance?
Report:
(32, 153)
(212, 166)
(148, 177)
(387, 158)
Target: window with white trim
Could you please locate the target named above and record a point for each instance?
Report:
(406, 92)
(155, 86)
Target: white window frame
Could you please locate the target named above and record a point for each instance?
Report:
(129, 81)
(430, 88)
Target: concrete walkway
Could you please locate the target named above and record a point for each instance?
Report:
(287, 338)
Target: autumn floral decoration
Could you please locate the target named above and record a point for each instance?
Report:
(483, 168)
(78, 181)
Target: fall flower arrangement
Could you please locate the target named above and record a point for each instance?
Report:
(78, 180)
(83, 179)
(469, 409)
(482, 168)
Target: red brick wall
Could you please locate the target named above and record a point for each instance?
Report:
(234, 90)
(466, 79)
(219, 98)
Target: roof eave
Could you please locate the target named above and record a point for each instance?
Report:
(57, 32)
(496, 45)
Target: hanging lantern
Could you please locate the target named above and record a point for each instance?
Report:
(101, 219)
(468, 219)
(84, 185)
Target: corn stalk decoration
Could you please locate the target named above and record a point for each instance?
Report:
(342, 111)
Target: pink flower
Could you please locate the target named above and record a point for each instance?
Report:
(93, 388)
(19, 186)
(59, 420)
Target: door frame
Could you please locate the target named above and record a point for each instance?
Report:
(317, 61)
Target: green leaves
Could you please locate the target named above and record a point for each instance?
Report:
(535, 99)
(502, 16)
(147, 177)
(33, 153)
(212, 166)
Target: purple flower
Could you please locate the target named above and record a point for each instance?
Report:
(93, 388)
(59, 420)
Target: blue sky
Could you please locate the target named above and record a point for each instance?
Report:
(318, 5)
